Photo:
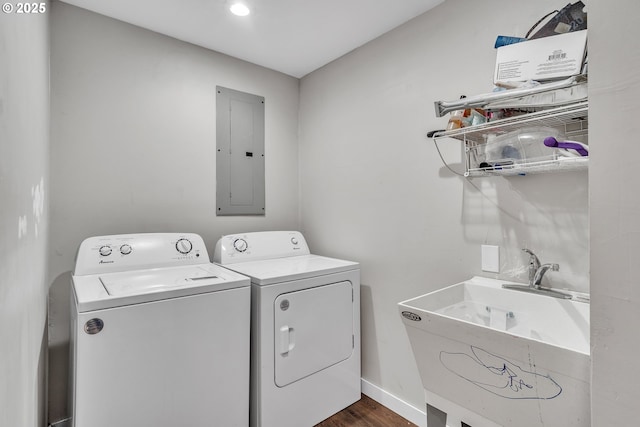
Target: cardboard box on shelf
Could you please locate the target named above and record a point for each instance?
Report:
(541, 59)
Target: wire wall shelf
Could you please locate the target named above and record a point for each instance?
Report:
(571, 120)
(543, 166)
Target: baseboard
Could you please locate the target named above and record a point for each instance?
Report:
(397, 405)
(62, 423)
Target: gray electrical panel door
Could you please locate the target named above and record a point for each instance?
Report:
(240, 153)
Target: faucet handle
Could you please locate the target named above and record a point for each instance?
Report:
(534, 265)
(533, 258)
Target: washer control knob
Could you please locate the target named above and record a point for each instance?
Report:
(294, 240)
(125, 249)
(105, 250)
(184, 246)
(240, 245)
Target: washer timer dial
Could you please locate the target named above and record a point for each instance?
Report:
(184, 246)
(240, 245)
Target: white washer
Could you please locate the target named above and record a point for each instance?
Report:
(160, 336)
(305, 327)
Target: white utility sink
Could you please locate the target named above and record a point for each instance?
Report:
(490, 356)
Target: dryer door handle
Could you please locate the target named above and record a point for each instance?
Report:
(286, 340)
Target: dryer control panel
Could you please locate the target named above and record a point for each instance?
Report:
(246, 247)
(126, 252)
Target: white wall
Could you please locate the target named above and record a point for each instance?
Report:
(24, 217)
(133, 146)
(374, 190)
(615, 211)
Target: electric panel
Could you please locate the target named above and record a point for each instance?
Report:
(240, 185)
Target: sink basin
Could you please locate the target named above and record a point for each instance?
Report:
(490, 356)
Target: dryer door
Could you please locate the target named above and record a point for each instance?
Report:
(313, 330)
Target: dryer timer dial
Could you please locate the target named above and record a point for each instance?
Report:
(184, 246)
(240, 245)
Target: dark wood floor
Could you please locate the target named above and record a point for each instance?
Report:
(366, 413)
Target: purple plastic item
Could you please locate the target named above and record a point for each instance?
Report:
(552, 142)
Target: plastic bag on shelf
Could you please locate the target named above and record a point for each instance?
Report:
(519, 147)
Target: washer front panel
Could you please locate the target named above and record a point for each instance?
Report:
(177, 362)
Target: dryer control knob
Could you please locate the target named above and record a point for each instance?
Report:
(125, 249)
(184, 246)
(240, 245)
(105, 250)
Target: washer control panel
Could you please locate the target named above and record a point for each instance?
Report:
(260, 245)
(124, 252)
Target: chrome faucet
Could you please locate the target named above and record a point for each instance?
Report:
(536, 273)
(537, 270)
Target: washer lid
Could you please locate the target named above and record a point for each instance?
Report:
(100, 291)
(157, 280)
(270, 271)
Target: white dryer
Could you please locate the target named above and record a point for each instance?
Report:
(160, 336)
(305, 327)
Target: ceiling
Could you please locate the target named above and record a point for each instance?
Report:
(294, 37)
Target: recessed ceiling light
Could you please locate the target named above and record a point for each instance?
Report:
(239, 9)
